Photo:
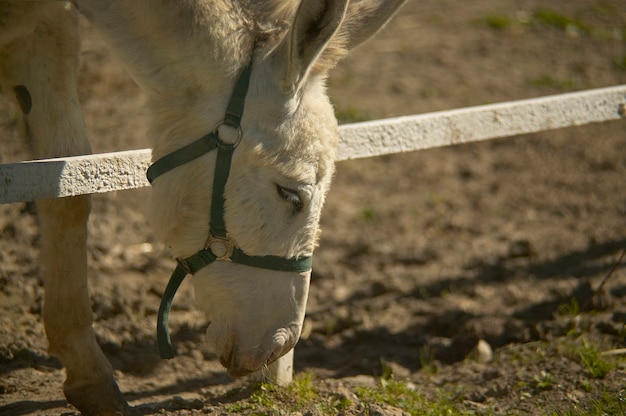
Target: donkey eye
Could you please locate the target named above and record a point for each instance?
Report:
(291, 196)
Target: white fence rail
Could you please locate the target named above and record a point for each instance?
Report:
(53, 178)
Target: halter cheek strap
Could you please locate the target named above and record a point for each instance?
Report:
(219, 246)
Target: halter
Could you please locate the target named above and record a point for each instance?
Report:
(219, 246)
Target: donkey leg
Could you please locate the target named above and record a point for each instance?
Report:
(41, 68)
(89, 384)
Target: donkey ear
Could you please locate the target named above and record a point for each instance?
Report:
(364, 18)
(314, 25)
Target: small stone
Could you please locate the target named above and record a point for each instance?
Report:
(483, 352)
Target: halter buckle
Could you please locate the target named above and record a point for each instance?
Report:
(183, 264)
(221, 247)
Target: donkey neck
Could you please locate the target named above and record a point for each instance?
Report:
(179, 53)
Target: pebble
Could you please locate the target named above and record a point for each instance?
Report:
(483, 351)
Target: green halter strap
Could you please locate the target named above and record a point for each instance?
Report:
(218, 246)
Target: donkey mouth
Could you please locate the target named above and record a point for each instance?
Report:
(236, 368)
(233, 366)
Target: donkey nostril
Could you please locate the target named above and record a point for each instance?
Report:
(273, 357)
(278, 352)
(281, 342)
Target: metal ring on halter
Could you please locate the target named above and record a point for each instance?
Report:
(239, 134)
(225, 252)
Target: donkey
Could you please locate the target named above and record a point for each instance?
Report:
(243, 139)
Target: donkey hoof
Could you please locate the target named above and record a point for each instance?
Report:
(99, 399)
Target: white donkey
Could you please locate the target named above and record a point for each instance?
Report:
(244, 142)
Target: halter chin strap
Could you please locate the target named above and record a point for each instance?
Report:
(219, 246)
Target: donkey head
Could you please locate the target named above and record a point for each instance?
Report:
(280, 173)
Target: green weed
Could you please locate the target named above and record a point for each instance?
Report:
(369, 215)
(498, 21)
(351, 115)
(597, 366)
(569, 310)
(551, 82)
(552, 18)
(587, 354)
(621, 62)
(544, 381)
(427, 362)
(540, 17)
(400, 395)
(610, 404)
(299, 397)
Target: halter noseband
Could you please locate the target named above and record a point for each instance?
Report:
(219, 246)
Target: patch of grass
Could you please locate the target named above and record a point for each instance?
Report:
(544, 381)
(300, 392)
(427, 362)
(300, 396)
(369, 215)
(545, 17)
(609, 404)
(585, 385)
(304, 396)
(498, 21)
(569, 310)
(400, 395)
(621, 62)
(547, 81)
(591, 358)
(351, 115)
(588, 355)
(554, 19)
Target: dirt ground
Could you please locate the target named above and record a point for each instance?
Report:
(422, 254)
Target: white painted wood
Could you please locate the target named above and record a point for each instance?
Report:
(69, 176)
(443, 128)
(107, 172)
